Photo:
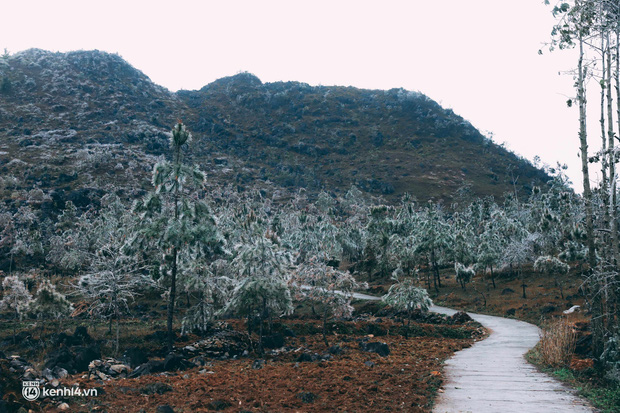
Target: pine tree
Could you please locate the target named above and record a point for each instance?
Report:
(175, 221)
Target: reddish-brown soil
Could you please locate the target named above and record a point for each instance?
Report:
(406, 380)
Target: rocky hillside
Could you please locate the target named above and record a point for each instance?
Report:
(89, 122)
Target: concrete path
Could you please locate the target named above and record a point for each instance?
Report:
(493, 376)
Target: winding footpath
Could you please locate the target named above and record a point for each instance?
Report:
(492, 376)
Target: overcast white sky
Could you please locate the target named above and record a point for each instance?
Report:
(478, 57)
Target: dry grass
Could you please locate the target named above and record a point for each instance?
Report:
(557, 342)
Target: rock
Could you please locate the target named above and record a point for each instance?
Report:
(83, 356)
(150, 367)
(175, 361)
(63, 407)
(81, 336)
(287, 332)
(335, 350)
(258, 364)
(218, 405)
(273, 341)
(507, 291)
(381, 349)
(59, 372)
(307, 397)
(47, 374)
(156, 388)
(460, 317)
(120, 369)
(369, 363)
(164, 409)
(306, 357)
(547, 309)
(135, 356)
(61, 358)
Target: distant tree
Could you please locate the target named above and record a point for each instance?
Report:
(554, 267)
(464, 274)
(317, 282)
(404, 295)
(434, 241)
(49, 304)
(16, 298)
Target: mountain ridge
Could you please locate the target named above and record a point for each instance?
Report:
(279, 134)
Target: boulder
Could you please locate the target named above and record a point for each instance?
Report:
(460, 317)
(381, 349)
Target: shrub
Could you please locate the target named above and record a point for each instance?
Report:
(557, 343)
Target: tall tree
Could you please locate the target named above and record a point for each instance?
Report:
(175, 221)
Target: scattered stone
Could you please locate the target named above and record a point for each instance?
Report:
(156, 388)
(108, 369)
(258, 364)
(381, 349)
(164, 409)
(507, 291)
(307, 397)
(306, 357)
(369, 363)
(63, 407)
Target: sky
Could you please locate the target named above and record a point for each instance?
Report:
(478, 57)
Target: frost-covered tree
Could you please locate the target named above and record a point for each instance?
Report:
(175, 222)
(49, 304)
(263, 271)
(489, 251)
(434, 241)
(552, 266)
(464, 274)
(404, 295)
(210, 288)
(15, 299)
(333, 289)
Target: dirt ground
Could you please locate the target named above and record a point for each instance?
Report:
(349, 380)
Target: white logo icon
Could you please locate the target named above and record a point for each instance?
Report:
(31, 390)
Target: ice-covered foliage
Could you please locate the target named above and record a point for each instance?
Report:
(405, 295)
(15, 298)
(322, 284)
(464, 274)
(49, 303)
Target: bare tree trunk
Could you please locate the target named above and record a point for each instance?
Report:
(583, 140)
(612, 162)
(171, 299)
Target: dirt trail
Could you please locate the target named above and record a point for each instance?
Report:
(493, 376)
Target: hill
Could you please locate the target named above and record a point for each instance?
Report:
(86, 122)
